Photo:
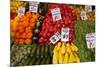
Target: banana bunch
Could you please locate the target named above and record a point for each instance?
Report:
(65, 53)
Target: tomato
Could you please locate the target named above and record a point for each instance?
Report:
(40, 40)
(50, 27)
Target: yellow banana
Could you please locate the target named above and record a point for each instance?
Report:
(73, 47)
(66, 58)
(71, 58)
(55, 56)
(68, 49)
(58, 45)
(61, 57)
(55, 48)
(63, 48)
(77, 59)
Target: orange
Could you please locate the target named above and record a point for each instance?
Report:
(17, 35)
(21, 41)
(29, 35)
(28, 41)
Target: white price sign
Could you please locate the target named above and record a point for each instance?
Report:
(33, 6)
(56, 15)
(65, 34)
(55, 38)
(21, 11)
(88, 8)
(90, 39)
(83, 15)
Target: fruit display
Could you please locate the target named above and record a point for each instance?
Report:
(22, 28)
(79, 9)
(65, 53)
(50, 27)
(14, 5)
(50, 33)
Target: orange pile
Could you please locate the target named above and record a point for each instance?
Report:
(22, 28)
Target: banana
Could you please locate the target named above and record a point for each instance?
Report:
(68, 49)
(65, 53)
(58, 46)
(61, 57)
(66, 58)
(77, 58)
(72, 58)
(55, 57)
(55, 48)
(73, 47)
(63, 48)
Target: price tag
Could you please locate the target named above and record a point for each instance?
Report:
(33, 6)
(55, 38)
(56, 15)
(21, 11)
(90, 39)
(88, 8)
(83, 15)
(65, 34)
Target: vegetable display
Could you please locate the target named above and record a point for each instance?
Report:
(50, 33)
(31, 54)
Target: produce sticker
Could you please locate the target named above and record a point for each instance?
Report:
(56, 15)
(56, 37)
(90, 39)
(21, 11)
(65, 34)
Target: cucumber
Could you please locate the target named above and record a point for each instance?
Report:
(32, 61)
(28, 61)
(48, 60)
(42, 51)
(50, 50)
(46, 51)
(33, 51)
(43, 61)
(38, 52)
(38, 62)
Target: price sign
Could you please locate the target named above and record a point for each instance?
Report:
(88, 8)
(21, 11)
(90, 40)
(65, 34)
(56, 15)
(55, 38)
(83, 15)
(33, 6)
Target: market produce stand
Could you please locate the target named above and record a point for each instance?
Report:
(38, 35)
